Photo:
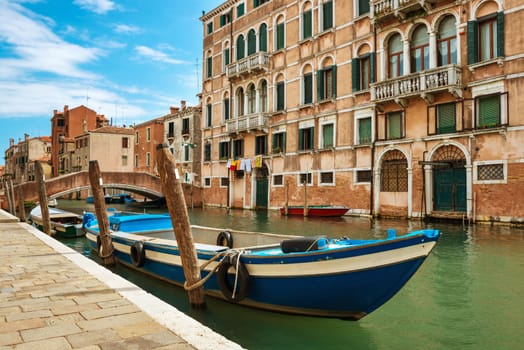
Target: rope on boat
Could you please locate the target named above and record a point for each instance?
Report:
(201, 282)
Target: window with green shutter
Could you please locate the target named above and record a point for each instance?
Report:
(209, 66)
(226, 108)
(251, 42)
(363, 7)
(278, 143)
(240, 10)
(488, 111)
(280, 36)
(308, 88)
(209, 115)
(327, 83)
(328, 135)
(240, 47)
(394, 126)
(238, 148)
(327, 15)
(307, 24)
(226, 57)
(263, 38)
(223, 150)
(261, 145)
(446, 120)
(306, 139)
(207, 152)
(210, 28)
(280, 96)
(364, 131)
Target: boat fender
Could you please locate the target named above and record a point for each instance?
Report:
(226, 282)
(87, 218)
(303, 244)
(99, 246)
(225, 239)
(138, 254)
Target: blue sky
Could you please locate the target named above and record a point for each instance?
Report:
(127, 59)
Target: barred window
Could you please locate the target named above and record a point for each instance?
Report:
(394, 173)
(490, 172)
(327, 178)
(363, 175)
(207, 182)
(306, 177)
(224, 181)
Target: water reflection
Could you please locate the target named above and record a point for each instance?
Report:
(467, 295)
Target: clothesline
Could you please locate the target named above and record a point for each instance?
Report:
(245, 164)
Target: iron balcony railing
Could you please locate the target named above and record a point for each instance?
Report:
(257, 121)
(447, 78)
(253, 63)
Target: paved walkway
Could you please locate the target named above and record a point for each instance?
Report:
(52, 297)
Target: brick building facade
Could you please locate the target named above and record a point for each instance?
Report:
(393, 108)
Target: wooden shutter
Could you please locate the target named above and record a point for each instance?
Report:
(372, 62)
(280, 96)
(473, 47)
(489, 111)
(355, 74)
(240, 10)
(251, 42)
(320, 85)
(209, 67)
(364, 130)
(334, 82)
(280, 36)
(394, 125)
(240, 47)
(308, 88)
(263, 38)
(327, 15)
(500, 34)
(446, 118)
(327, 135)
(311, 138)
(307, 24)
(301, 139)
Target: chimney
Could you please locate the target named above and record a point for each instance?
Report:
(11, 142)
(55, 112)
(26, 137)
(66, 108)
(183, 104)
(173, 110)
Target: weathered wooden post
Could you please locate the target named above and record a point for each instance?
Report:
(21, 207)
(106, 245)
(42, 197)
(286, 203)
(8, 196)
(176, 204)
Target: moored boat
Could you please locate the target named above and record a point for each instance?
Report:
(63, 223)
(315, 210)
(316, 276)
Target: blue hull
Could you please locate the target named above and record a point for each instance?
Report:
(347, 282)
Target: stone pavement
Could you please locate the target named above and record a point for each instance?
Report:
(52, 297)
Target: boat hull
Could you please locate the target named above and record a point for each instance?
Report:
(63, 224)
(327, 211)
(345, 283)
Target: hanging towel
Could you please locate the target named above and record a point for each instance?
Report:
(228, 165)
(258, 162)
(248, 165)
(242, 164)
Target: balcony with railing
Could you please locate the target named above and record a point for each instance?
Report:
(256, 121)
(383, 9)
(422, 84)
(252, 64)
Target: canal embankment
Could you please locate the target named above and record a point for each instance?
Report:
(54, 297)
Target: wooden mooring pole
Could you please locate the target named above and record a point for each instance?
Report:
(176, 204)
(106, 245)
(306, 211)
(286, 203)
(42, 197)
(21, 207)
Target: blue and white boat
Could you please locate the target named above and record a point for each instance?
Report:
(316, 276)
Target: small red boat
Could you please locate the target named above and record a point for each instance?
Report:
(315, 210)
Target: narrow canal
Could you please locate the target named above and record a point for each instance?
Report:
(467, 295)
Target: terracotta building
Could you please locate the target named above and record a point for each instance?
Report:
(148, 136)
(393, 108)
(67, 125)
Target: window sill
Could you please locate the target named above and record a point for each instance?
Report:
(306, 41)
(283, 111)
(326, 32)
(363, 145)
(498, 60)
(362, 92)
(306, 105)
(327, 100)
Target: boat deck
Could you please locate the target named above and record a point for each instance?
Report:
(52, 297)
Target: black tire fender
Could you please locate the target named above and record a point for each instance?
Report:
(138, 254)
(225, 239)
(224, 284)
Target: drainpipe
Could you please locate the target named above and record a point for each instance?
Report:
(374, 136)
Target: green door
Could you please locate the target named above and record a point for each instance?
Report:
(261, 192)
(449, 186)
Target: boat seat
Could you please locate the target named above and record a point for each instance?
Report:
(303, 244)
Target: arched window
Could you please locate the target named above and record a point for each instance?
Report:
(239, 98)
(307, 21)
(240, 47)
(447, 41)
(251, 99)
(263, 37)
(209, 64)
(263, 96)
(225, 106)
(280, 33)
(327, 80)
(251, 42)
(307, 85)
(280, 95)
(226, 56)
(209, 112)
(420, 49)
(395, 57)
(394, 172)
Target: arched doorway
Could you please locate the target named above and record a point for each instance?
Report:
(449, 180)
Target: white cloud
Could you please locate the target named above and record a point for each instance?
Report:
(127, 29)
(35, 48)
(97, 6)
(157, 55)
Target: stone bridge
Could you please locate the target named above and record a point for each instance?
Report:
(140, 183)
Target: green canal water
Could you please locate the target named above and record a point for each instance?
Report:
(469, 294)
